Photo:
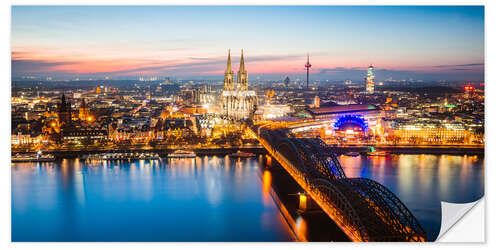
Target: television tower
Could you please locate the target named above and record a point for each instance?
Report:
(308, 65)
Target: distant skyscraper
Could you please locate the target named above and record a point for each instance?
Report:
(308, 65)
(469, 91)
(370, 80)
(287, 81)
(317, 102)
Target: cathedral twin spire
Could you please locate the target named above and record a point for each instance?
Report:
(242, 63)
(242, 82)
(229, 67)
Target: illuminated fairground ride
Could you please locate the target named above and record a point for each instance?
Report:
(362, 208)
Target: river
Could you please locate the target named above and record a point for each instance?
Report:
(207, 198)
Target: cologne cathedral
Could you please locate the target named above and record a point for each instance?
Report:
(237, 101)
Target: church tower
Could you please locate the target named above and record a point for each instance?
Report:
(229, 74)
(84, 112)
(242, 75)
(64, 111)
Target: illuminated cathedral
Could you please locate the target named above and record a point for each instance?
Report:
(237, 101)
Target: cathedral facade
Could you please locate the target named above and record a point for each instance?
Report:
(237, 101)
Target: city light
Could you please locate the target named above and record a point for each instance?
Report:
(341, 151)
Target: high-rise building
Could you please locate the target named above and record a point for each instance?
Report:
(317, 102)
(237, 101)
(287, 81)
(370, 80)
(469, 91)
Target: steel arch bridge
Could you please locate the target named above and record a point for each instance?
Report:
(364, 209)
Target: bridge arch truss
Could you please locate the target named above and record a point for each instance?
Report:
(364, 209)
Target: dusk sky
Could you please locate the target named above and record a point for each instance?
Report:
(429, 43)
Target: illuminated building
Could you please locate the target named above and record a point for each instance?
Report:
(333, 112)
(171, 112)
(370, 80)
(432, 133)
(269, 95)
(20, 138)
(148, 79)
(64, 111)
(271, 111)
(317, 102)
(98, 90)
(351, 124)
(341, 118)
(84, 112)
(469, 91)
(237, 101)
(87, 135)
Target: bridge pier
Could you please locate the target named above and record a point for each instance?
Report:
(269, 160)
(307, 204)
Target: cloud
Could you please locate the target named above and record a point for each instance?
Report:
(337, 70)
(200, 65)
(341, 73)
(264, 66)
(459, 65)
(36, 66)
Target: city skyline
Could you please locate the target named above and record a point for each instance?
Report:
(244, 124)
(429, 43)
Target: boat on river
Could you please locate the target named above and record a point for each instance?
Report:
(379, 153)
(123, 156)
(33, 157)
(353, 154)
(182, 154)
(241, 154)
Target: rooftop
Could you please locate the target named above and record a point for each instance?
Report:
(342, 109)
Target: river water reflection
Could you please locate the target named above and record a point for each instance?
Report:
(202, 199)
(207, 198)
(423, 181)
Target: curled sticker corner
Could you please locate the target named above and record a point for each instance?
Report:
(451, 213)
